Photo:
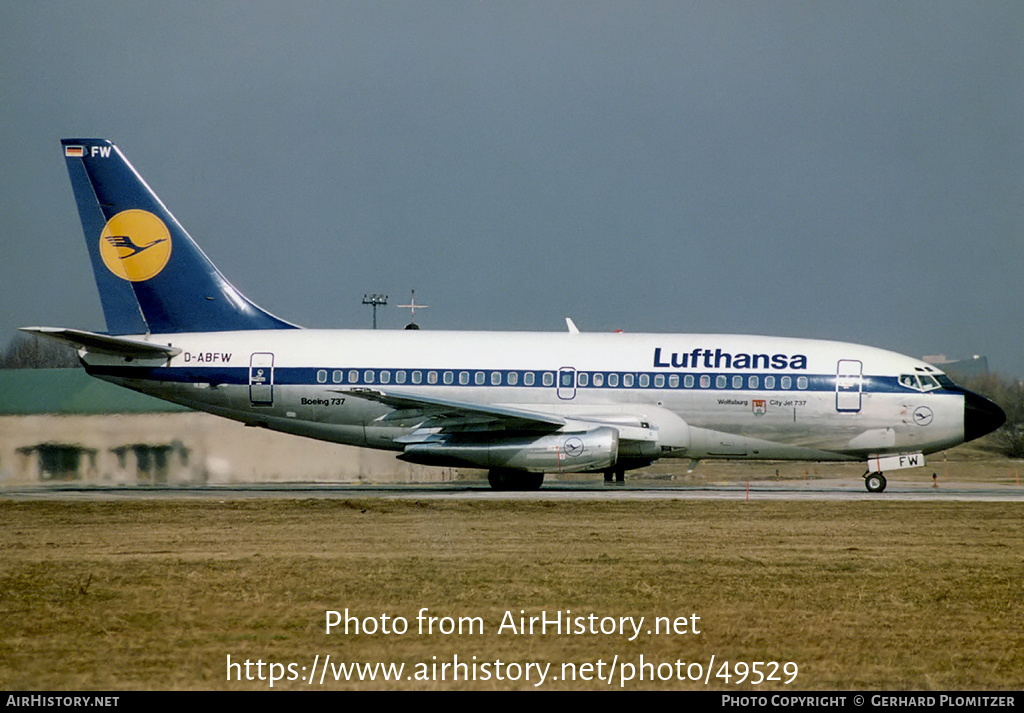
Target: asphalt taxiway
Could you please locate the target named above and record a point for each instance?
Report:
(816, 490)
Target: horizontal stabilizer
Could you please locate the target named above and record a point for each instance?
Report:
(104, 343)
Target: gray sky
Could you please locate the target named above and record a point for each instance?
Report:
(835, 170)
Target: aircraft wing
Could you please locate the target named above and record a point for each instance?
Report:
(433, 421)
(429, 412)
(430, 415)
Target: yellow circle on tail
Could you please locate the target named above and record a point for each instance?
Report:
(135, 245)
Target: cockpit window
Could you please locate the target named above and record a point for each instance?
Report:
(919, 382)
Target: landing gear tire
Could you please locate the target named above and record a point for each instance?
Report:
(615, 476)
(874, 482)
(514, 480)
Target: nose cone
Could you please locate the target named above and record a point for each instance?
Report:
(981, 416)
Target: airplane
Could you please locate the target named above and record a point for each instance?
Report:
(517, 404)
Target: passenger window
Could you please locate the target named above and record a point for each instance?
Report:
(673, 381)
(549, 378)
(583, 379)
(400, 376)
(353, 377)
(720, 381)
(321, 376)
(688, 381)
(480, 377)
(627, 381)
(769, 382)
(528, 378)
(801, 382)
(513, 378)
(385, 376)
(753, 382)
(449, 377)
(417, 377)
(598, 379)
(368, 376)
(431, 377)
(463, 377)
(613, 380)
(786, 382)
(659, 381)
(495, 378)
(644, 380)
(737, 382)
(705, 381)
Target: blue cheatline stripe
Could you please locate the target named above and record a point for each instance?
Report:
(511, 378)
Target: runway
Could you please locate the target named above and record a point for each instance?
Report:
(815, 490)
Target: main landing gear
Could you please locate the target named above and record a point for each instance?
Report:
(874, 482)
(619, 475)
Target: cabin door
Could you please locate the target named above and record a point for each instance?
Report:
(567, 383)
(849, 385)
(261, 379)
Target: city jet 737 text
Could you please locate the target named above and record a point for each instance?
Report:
(516, 404)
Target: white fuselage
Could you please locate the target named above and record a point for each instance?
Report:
(668, 395)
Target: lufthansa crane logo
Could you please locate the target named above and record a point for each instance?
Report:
(573, 447)
(135, 245)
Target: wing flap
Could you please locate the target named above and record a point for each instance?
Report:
(449, 414)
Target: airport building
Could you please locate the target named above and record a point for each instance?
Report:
(975, 367)
(60, 426)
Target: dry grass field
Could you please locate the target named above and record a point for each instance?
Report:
(859, 595)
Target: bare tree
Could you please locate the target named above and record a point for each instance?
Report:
(28, 352)
(1009, 394)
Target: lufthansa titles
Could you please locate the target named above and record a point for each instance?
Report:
(719, 359)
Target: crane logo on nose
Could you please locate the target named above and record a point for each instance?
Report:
(923, 415)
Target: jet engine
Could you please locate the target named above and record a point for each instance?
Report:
(572, 452)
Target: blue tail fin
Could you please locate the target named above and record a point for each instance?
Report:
(151, 276)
